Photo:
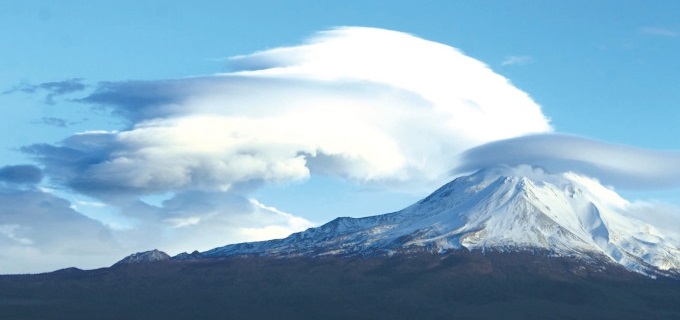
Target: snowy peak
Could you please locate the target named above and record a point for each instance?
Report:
(144, 257)
(503, 209)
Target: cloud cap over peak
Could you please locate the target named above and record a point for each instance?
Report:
(618, 165)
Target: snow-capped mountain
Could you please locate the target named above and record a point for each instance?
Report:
(146, 256)
(502, 209)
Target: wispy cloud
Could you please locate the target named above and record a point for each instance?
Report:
(57, 122)
(52, 89)
(659, 31)
(517, 60)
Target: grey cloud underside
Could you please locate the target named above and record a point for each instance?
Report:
(138, 101)
(622, 166)
(78, 160)
(21, 174)
(68, 163)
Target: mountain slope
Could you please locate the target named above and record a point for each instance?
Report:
(500, 209)
(454, 285)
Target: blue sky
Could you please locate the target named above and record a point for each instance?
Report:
(605, 70)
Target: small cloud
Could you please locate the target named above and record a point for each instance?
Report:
(517, 60)
(56, 122)
(94, 204)
(183, 222)
(657, 31)
(51, 89)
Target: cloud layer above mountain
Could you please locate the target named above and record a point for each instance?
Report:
(366, 105)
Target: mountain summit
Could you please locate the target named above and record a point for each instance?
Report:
(144, 257)
(506, 209)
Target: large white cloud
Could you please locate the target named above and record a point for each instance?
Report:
(370, 105)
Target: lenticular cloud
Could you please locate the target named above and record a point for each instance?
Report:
(622, 166)
(369, 105)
